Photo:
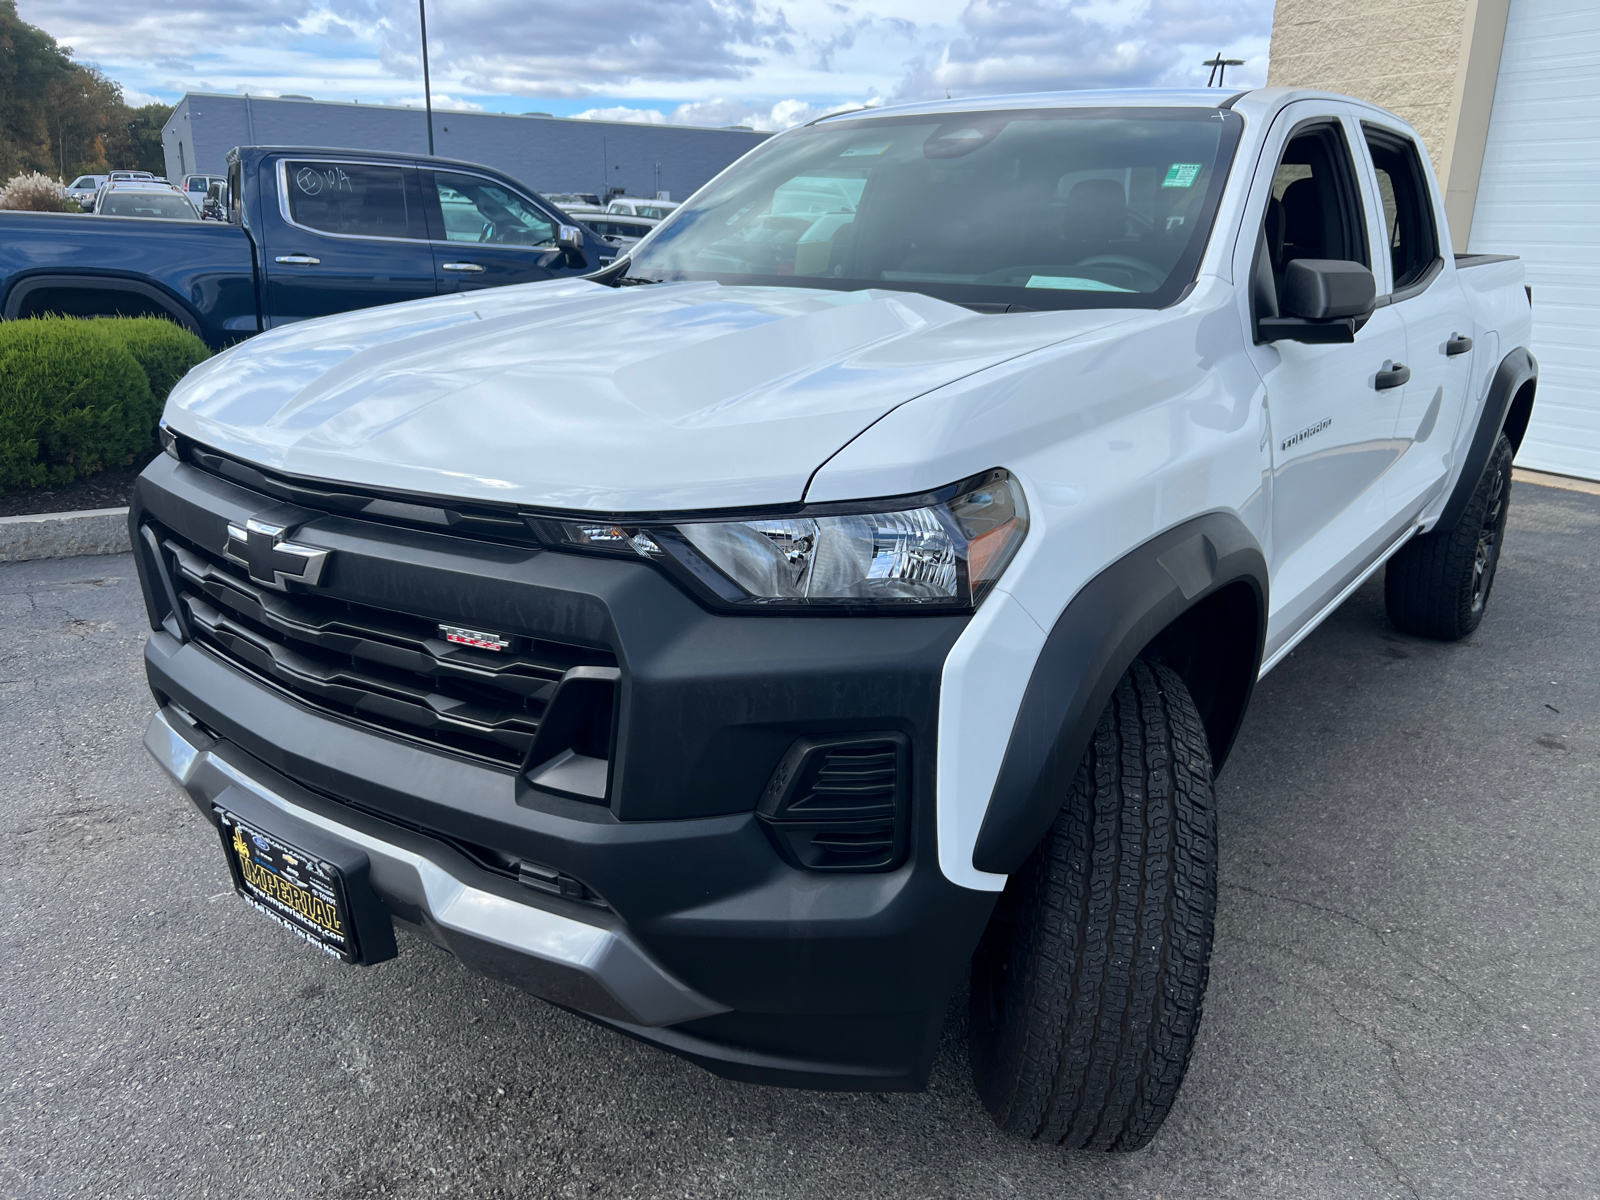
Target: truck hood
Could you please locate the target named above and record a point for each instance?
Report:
(575, 396)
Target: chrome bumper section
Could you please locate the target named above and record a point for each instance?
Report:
(593, 966)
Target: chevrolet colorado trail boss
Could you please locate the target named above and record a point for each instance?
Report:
(853, 591)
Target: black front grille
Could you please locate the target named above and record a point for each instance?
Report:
(385, 668)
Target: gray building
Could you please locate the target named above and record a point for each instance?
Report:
(549, 154)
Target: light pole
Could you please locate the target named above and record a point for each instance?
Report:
(427, 89)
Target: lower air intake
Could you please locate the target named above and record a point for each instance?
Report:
(841, 803)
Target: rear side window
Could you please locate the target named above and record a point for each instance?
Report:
(357, 199)
(1407, 206)
(163, 206)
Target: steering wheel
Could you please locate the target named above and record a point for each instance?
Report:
(1123, 262)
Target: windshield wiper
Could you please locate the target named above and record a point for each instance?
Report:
(634, 280)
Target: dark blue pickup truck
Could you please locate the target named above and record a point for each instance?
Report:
(309, 233)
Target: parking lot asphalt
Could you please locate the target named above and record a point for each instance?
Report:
(1402, 1002)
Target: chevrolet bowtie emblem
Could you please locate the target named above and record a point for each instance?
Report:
(260, 547)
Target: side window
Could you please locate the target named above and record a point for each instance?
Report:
(479, 210)
(1407, 206)
(1315, 210)
(354, 198)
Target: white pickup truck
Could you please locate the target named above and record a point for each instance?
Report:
(853, 592)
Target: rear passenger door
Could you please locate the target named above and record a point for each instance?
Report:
(343, 235)
(1422, 287)
(487, 235)
(1331, 407)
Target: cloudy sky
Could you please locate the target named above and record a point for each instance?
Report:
(708, 62)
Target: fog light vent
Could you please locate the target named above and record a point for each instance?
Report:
(841, 803)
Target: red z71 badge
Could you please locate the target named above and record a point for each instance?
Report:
(477, 638)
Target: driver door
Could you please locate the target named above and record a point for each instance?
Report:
(1331, 407)
(486, 235)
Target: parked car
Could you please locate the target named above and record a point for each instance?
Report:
(630, 207)
(618, 230)
(83, 188)
(151, 201)
(567, 200)
(196, 186)
(126, 176)
(145, 181)
(309, 232)
(744, 648)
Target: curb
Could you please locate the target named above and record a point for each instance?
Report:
(1545, 479)
(64, 535)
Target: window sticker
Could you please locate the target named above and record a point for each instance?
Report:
(864, 150)
(1072, 283)
(1182, 175)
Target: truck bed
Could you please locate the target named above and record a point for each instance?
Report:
(200, 273)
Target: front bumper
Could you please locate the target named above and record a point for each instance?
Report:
(691, 930)
(573, 958)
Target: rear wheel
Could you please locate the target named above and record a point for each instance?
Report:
(1086, 987)
(1437, 585)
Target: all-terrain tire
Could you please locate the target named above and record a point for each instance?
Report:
(1437, 585)
(1086, 987)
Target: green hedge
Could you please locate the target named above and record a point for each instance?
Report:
(78, 396)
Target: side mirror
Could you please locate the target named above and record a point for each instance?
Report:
(1324, 300)
(570, 237)
(1321, 289)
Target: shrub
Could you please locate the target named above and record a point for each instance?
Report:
(166, 351)
(75, 395)
(37, 193)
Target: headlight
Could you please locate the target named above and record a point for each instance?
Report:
(946, 551)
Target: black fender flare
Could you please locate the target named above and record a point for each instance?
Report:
(173, 307)
(1515, 370)
(1108, 624)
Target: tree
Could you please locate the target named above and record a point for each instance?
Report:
(31, 67)
(64, 118)
(136, 142)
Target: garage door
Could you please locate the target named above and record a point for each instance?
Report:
(1539, 196)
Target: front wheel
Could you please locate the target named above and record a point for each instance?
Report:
(1086, 987)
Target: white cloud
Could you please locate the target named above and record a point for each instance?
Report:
(566, 48)
(441, 102)
(1055, 45)
(637, 116)
(769, 64)
(134, 98)
(785, 114)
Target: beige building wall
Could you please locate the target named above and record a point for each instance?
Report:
(1431, 62)
(1401, 56)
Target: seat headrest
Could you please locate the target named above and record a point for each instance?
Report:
(1097, 209)
(1302, 213)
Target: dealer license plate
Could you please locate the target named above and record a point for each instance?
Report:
(301, 892)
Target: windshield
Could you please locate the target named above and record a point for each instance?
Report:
(148, 204)
(1051, 208)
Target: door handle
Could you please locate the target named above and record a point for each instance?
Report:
(299, 260)
(469, 268)
(1396, 376)
(1457, 345)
